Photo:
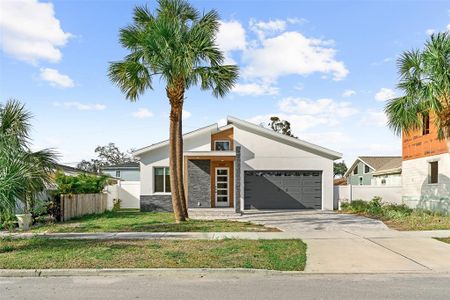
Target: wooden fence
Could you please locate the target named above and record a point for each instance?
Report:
(78, 205)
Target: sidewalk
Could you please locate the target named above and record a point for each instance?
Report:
(318, 234)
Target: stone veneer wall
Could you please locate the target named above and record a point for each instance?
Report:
(156, 203)
(199, 183)
(237, 180)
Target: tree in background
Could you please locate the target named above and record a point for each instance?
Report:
(339, 169)
(281, 126)
(108, 155)
(178, 44)
(23, 173)
(425, 82)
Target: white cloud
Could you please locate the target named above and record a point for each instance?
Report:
(292, 53)
(30, 31)
(262, 29)
(80, 106)
(324, 106)
(326, 138)
(254, 89)
(186, 114)
(231, 36)
(374, 118)
(348, 93)
(448, 27)
(142, 113)
(384, 94)
(430, 31)
(55, 78)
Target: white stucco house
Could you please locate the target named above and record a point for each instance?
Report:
(242, 166)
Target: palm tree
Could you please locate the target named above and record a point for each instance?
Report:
(178, 45)
(425, 82)
(23, 173)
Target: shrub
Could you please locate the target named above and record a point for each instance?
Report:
(80, 184)
(116, 204)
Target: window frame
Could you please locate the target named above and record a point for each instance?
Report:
(366, 169)
(355, 170)
(425, 124)
(360, 180)
(430, 172)
(164, 180)
(222, 141)
(118, 174)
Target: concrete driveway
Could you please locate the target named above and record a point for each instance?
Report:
(295, 220)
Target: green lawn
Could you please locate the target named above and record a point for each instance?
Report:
(445, 240)
(132, 220)
(40, 253)
(398, 217)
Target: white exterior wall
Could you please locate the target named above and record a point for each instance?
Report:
(391, 180)
(348, 193)
(417, 191)
(262, 153)
(160, 158)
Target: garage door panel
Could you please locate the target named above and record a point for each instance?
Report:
(282, 189)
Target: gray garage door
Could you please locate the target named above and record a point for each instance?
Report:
(283, 189)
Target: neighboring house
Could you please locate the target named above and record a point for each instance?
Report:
(375, 170)
(426, 169)
(243, 166)
(127, 171)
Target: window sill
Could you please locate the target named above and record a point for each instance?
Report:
(162, 193)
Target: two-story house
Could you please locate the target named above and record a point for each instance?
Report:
(426, 169)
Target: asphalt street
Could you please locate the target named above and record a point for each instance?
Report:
(229, 285)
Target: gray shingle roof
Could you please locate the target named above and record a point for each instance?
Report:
(381, 163)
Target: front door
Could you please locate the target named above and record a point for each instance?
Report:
(222, 187)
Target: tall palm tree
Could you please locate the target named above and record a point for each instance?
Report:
(23, 173)
(425, 82)
(177, 44)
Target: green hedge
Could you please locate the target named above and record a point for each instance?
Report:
(80, 184)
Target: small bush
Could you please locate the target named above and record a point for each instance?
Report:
(80, 184)
(116, 204)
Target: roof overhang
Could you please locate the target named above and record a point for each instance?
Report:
(287, 139)
(349, 170)
(209, 128)
(388, 172)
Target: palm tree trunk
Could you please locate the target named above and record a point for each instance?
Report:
(173, 162)
(180, 163)
(175, 93)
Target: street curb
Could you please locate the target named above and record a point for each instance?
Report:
(186, 271)
(134, 272)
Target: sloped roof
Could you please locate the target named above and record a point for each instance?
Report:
(255, 128)
(295, 141)
(379, 164)
(127, 165)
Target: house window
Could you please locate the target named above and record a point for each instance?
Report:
(366, 169)
(426, 124)
(222, 145)
(383, 181)
(360, 181)
(162, 180)
(433, 172)
(117, 174)
(355, 170)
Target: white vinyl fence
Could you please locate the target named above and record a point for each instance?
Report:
(348, 193)
(127, 191)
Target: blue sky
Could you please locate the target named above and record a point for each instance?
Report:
(325, 66)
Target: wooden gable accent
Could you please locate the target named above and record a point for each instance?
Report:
(223, 135)
(417, 144)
